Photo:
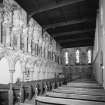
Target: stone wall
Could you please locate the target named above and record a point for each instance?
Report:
(99, 45)
(80, 70)
(83, 53)
(22, 39)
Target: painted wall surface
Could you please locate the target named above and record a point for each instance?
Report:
(23, 40)
(74, 70)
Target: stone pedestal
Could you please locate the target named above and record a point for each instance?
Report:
(36, 90)
(21, 94)
(10, 93)
(45, 87)
(30, 92)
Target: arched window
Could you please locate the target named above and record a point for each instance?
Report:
(89, 54)
(66, 58)
(77, 56)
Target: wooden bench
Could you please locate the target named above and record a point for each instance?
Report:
(76, 96)
(80, 89)
(42, 100)
(3, 96)
(90, 92)
(85, 81)
(84, 85)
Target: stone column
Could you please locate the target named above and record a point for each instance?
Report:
(18, 40)
(21, 93)
(29, 44)
(22, 88)
(10, 93)
(1, 20)
(32, 71)
(22, 76)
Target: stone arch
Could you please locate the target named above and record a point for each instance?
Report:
(3, 53)
(35, 68)
(38, 65)
(7, 55)
(29, 69)
(29, 63)
(42, 67)
(19, 66)
(22, 60)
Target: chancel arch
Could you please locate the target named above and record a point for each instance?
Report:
(19, 66)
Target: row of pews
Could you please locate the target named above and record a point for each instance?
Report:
(83, 92)
(4, 94)
(27, 90)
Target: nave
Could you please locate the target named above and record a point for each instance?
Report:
(80, 92)
(52, 52)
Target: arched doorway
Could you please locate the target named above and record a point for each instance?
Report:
(4, 71)
(18, 72)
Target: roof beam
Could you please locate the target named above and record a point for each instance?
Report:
(72, 22)
(75, 39)
(55, 5)
(72, 33)
(77, 44)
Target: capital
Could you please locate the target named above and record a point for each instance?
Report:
(12, 70)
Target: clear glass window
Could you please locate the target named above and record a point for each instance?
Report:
(77, 56)
(89, 56)
(66, 58)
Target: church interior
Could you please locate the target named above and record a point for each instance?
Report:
(52, 52)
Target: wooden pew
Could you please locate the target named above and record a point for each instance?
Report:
(81, 83)
(84, 85)
(76, 96)
(4, 97)
(42, 100)
(80, 89)
(84, 81)
(28, 90)
(89, 92)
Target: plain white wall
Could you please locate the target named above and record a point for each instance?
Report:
(4, 71)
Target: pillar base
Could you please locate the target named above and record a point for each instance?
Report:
(21, 94)
(10, 97)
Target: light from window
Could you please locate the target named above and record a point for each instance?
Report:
(66, 58)
(77, 56)
(89, 56)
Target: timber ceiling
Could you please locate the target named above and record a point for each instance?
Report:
(70, 22)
